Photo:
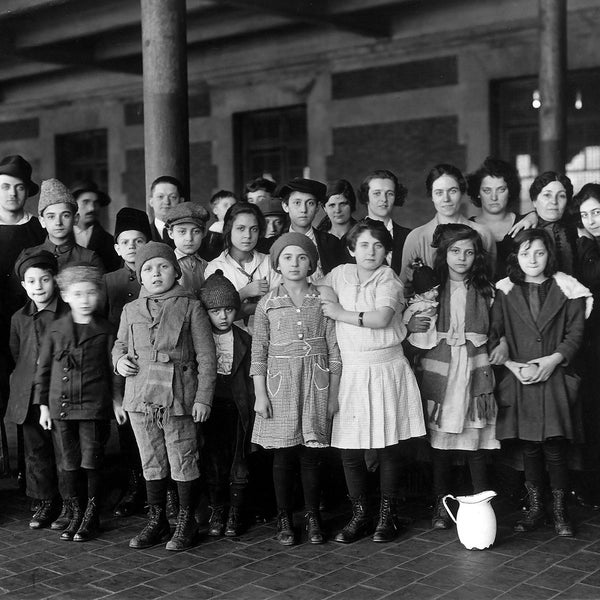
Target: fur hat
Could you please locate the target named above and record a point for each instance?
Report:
(31, 257)
(132, 219)
(155, 250)
(55, 192)
(424, 277)
(218, 292)
(294, 239)
(188, 212)
(16, 166)
(300, 184)
(87, 185)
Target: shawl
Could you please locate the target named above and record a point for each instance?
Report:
(436, 362)
(167, 325)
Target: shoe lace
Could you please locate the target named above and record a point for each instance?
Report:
(182, 519)
(284, 521)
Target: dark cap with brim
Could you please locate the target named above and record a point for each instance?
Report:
(16, 166)
(307, 186)
(87, 185)
(30, 257)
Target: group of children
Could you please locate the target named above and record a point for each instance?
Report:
(325, 366)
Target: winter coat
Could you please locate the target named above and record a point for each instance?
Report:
(549, 409)
(74, 377)
(120, 287)
(103, 244)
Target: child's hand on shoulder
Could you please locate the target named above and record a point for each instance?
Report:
(45, 420)
(263, 406)
(200, 412)
(127, 366)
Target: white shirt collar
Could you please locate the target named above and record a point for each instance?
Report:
(25, 219)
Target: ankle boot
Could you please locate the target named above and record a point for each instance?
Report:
(359, 524)
(76, 518)
(43, 515)
(133, 500)
(285, 531)
(387, 527)
(172, 501)
(313, 527)
(62, 521)
(562, 525)
(234, 522)
(90, 525)
(157, 529)
(216, 523)
(534, 515)
(186, 531)
(441, 519)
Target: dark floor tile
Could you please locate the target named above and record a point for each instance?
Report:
(327, 563)
(515, 546)
(415, 591)
(378, 563)
(587, 532)
(471, 591)
(272, 564)
(359, 592)
(502, 578)
(32, 592)
(428, 563)
(261, 549)
(193, 592)
(303, 592)
(123, 581)
(337, 581)
(176, 580)
(593, 579)
(452, 576)
(563, 546)
(411, 548)
(233, 579)
(394, 579)
(32, 577)
(139, 592)
(524, 591)
(583, 561)
(173, 562)
(557, 578)
(579, 591)
(251, 592)
(363, 548)
(533, 562)
(286, 580)
(86, 592)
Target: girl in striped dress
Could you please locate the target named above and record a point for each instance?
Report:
(379, 400)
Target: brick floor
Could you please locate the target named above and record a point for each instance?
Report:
(421, 564)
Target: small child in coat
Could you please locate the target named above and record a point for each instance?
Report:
(186, 226)
(132, 231)
(37, 271)
(76, 392)
(227, 431)
(166, 352)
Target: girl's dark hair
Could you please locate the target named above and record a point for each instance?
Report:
(541, 181)
(528, 236)
(445, 236)
(494, 167)
(241, 208)
(377, 230)
(343, 187)
(399, 189)
(445, 169)
(589, 190)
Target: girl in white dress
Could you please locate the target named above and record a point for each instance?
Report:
(379, 400)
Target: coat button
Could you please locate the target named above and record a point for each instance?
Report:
(64, 404)
(184, 368)
(65, 369)
(539, 340)
(131, 278)
(64, 397)
(63, 415)
(129, 295)
(65, 378)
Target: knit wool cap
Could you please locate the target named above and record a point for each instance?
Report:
(132, 219)
(218, 292)
(424, 277)
(39, 258)
(155, 250)
(55, 192)
(293, 238)
(188, 212)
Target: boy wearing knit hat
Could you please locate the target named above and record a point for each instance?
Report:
(227, 431)
(186, 226)
(132, 231)
(58, 214)
(166, 352)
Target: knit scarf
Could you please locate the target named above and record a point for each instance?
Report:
(435, 364)
(167, 325)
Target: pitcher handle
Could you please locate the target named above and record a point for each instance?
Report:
(446, 505)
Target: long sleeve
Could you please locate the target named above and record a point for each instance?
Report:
(496, 321)
(260, 341)
(15, 338)
(43, 372)
(574, 326)
(335, 361)
(204, 348)
(121, 345)
(588, 253)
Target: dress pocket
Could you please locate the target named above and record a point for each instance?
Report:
(273, 383)
(320, 377)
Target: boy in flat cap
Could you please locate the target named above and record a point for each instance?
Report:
(132, 231)
(88, 231)
(58, 214)
(187, 225)
(166, 352)
(36, 271)
(300, 198)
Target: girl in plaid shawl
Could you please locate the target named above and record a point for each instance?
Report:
(457, 384)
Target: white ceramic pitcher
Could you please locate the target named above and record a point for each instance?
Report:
(475, 520)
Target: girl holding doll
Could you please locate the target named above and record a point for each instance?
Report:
(540, 312)
(379, 400)
(295, 367)
(457, 382)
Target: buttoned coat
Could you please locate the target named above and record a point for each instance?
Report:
(549, 409)
(103, 244)
(120, 288)
(74, 377)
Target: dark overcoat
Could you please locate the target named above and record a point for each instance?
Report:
(103, 244)
(549, 409)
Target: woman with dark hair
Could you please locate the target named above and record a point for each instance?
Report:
(538, 316)
(340, 203)
(445, 186)
(495, 188)
(551, 194)
(380, 191)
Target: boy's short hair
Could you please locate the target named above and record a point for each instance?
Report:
(32, 258)
(260, 183)
(220, 195)
(167, 179)
(54, 191)
(83, 273)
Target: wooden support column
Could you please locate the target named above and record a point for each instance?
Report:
(552, 85)
(164, 55)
